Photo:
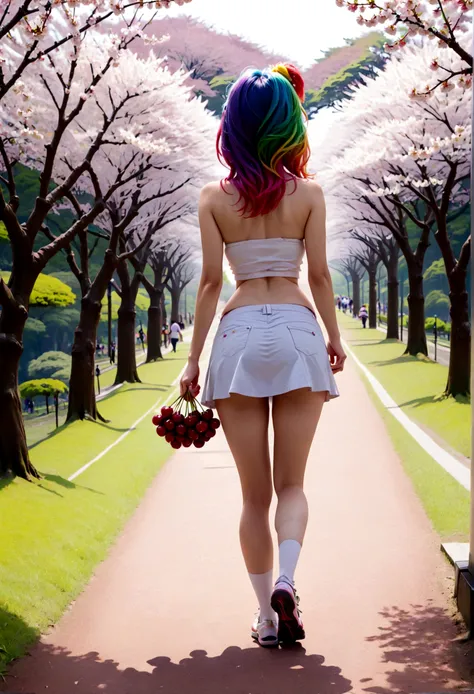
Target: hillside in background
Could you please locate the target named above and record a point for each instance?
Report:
(214, 60)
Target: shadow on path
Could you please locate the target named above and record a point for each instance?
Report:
(424, 655)
(236, 671)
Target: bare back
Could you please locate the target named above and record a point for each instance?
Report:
(288, 220)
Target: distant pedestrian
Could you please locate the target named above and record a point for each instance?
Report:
(363, 315)
(339, 302)
(112, 353)
(165, 333)
(175, 335)
(351, 305)
(141, 335)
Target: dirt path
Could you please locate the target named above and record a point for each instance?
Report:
(170, 609)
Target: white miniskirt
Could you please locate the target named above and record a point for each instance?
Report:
(262, 351)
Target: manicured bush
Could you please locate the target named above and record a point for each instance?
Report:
(50, 365)
(46, 387)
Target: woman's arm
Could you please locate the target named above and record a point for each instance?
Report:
(209, 288)
(319, 276)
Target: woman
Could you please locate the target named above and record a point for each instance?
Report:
(363, 315)
(175, 334)
(269, 348)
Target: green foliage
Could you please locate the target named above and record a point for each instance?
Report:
(48, 291)
(443, 327)
(437, 303)
(60, 318)
(435, 276)
(42, 387)
(338, 86)
(34, 328)
(142, 304)
(50, 365)
(69, 278)
(3, 233)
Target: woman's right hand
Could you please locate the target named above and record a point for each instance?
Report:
(337, 356)
(189, 379)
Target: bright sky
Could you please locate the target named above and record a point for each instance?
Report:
(276, 24)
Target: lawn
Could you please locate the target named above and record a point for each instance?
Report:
(76, 522)
(415, 384)
(446, 503)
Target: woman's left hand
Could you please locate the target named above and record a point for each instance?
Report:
(189, 379)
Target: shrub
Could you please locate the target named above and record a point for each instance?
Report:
(50, 365)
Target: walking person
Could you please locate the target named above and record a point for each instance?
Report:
(363, 315)
(175, 335)
(165, 334)
(112, 352)
(269, 358)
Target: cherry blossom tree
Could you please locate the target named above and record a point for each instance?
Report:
(424, 170)
(82, 112)
(407, 168)
(32, 31)
(157, 260)
(443, 21)
(182, 270)
(165, 214)
(386, 250)
(170, 149)
(353, 271)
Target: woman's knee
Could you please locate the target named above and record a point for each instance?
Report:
(288, 487)
(258, 499)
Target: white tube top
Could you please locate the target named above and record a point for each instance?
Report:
(255, 258)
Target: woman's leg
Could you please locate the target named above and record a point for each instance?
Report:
(295, 418)
(245, 424)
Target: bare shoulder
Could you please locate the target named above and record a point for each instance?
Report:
(311, 189)
(210, 192)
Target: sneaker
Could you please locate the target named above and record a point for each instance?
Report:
(265, 632)
(285, 602)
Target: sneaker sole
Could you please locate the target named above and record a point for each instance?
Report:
(265, 644)
(289, 628)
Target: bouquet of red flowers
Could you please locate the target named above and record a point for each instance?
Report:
(186, 422)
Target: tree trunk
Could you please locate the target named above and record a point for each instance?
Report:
(46, 397)
(460, 353)
(82, 401)
(175, 298)
(164, 317)
(127, 361)
(126, 356)
(392, 297)
(154, 329)
(356, 295)
(14, 457)
(373, 298)
(416, 343)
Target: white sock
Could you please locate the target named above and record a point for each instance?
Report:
(289, 552)
(263, 587)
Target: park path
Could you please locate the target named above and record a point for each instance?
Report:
(170, 609)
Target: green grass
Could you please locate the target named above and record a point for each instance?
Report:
(55, 532)
(416, 385)
(446, 503)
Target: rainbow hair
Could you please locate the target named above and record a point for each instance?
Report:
(263, 138)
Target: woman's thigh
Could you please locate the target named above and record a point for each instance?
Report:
(245, 424)
(295, 418)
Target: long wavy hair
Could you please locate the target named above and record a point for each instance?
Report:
(263, 138)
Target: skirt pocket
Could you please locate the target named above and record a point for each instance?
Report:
(305, 339)
(234, 339)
